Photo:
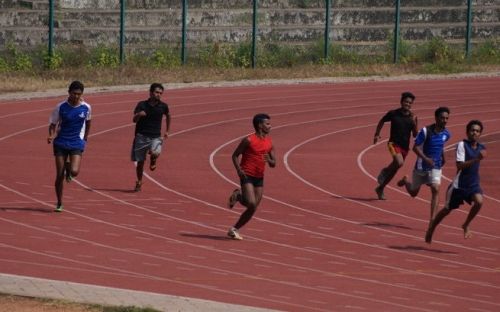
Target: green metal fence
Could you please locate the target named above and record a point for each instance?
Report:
(255, 29)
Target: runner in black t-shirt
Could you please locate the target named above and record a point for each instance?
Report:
(403, 124)
(148, 139)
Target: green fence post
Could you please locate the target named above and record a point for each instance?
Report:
(254, 34)
(327, 29)
(396, 32)
(184, 18)
(122, 31)
(51, 28)
(469, 29)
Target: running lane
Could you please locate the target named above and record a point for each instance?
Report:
(320, 241)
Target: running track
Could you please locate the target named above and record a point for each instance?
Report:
(319, 241)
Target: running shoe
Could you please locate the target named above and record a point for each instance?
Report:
(138, 185)
(68, 176)
(233, 234)
(233, 199)
(380, 193)
(59, 208)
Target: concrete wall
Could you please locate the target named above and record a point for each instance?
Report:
(358, 24)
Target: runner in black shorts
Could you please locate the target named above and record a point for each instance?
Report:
(466, 185)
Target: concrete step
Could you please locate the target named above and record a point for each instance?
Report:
(279, 4)
(153, 35)
(269, 17)
(233, 4)
(35, 4)
(23, 18)
(419, 21)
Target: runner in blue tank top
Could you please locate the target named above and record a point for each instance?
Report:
(70, 124)
(466, 185)
(429, 145)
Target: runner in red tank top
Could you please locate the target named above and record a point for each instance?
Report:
(256, 150)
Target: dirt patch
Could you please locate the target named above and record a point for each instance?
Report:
(25, 304)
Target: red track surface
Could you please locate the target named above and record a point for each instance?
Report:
(319, 241)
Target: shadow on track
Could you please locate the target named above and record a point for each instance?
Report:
(420, 248)
(27, 209)
(112, 190)
(387, 225)
(205, 236)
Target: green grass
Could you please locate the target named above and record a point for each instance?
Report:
(36, 71)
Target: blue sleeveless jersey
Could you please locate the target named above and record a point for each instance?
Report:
(469, 177)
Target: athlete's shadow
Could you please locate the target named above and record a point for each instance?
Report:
(362, 199)
(113, 190)
(420, 248)
(387, 225)
(27, 209)
(205, 236)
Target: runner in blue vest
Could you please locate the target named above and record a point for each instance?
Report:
(466, 185)
(70, 124)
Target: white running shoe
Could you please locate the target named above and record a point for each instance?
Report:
(233, 233)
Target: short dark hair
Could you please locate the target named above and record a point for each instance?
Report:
(76, 85)
(407, 94)
(154, 86)
(257, 120)
(440, 110)
(474, 122)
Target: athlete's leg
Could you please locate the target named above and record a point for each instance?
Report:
(391, 170)
(413, 187)
(434, 223)
(409, 186)
(155, 151)
(258, 191)
(60, 166)
(139, 169)
(477, 200)
(386, 174)
(434, 199)
(250, 202)
(140, 148)
(74, 165)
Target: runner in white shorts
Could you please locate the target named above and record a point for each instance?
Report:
(429, 145)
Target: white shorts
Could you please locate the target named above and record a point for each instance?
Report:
(426, 177)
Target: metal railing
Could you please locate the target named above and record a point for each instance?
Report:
(255, 30)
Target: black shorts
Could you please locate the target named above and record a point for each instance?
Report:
(456, 197)
(60, 151)
(256, 182)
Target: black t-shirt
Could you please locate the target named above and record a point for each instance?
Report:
(150, 125)
(401, 127)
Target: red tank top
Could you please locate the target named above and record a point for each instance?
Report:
(252, 160)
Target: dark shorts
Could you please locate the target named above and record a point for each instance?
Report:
(256, 182)
(60, 151)
(143, 144)
(456, 197)
(396, 149)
